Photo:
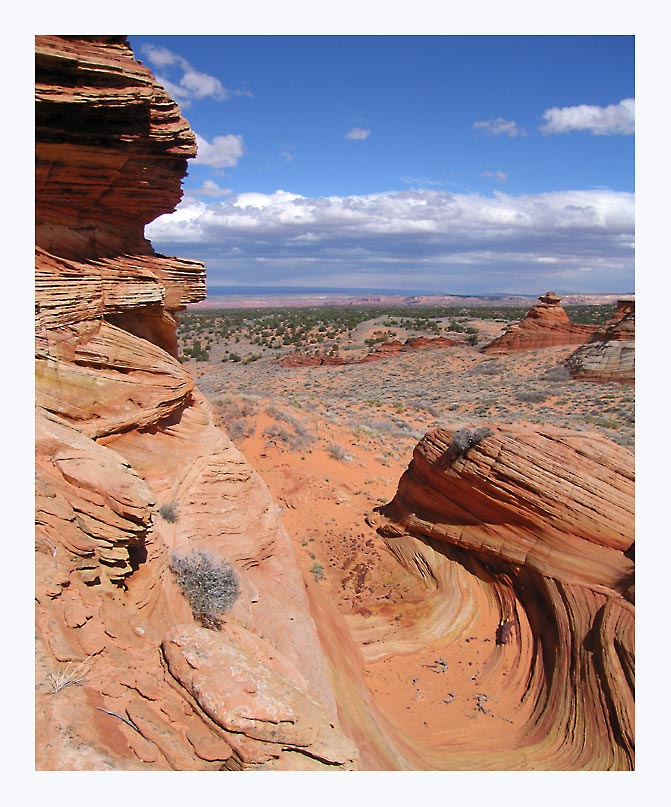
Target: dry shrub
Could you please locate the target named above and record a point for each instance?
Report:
(209, 584)
(465, 439)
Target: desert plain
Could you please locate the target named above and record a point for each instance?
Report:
(332, 441)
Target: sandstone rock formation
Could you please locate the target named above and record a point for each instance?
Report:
(124, 674)
(610, 353)
(546, 325)
(538, 523)
(382, 351)
(526, 532)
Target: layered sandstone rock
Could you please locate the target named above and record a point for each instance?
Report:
(530, 530)
(610, 353)
(122, 676)
(546, 325)
(111, 147)
(539, 524)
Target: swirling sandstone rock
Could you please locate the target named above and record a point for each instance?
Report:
(610, 353)
(543, 519)
(546, 325)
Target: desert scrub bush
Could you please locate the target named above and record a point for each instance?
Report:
(232, 407)
(559, 373)
(318, 571)
(240, 429)
(487, 368)
(169, 512)
(337, 452)
(209, 584)
(465, 439)
(297, 440)
(361, 430)
(532, 396)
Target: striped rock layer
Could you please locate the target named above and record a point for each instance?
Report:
(610, 353)
(534, 526)
(546, 325)
(126, 678)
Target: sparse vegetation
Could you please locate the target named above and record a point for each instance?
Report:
(209, 584)
(465, 439)
(532, 396)
(318, 571)
(71, 674)
(338, 452)
(169, 512)
(325, 330)
(559, 373)
(395, 398)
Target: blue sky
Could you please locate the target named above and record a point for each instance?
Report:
(451, 164)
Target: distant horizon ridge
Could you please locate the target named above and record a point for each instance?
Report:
(237, 290)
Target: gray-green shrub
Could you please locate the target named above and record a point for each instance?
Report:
(465, 439)
(169, 512)
(209, 584)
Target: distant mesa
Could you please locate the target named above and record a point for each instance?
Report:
(610, 353)
(546, 325)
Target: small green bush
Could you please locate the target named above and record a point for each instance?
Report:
(210, 585)
(337, 452)
(465, 439)
(318, 571)
(532, 396)
(168, 512)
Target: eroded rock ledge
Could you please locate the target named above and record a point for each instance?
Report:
(111, 147)
(120, 432)
(382, 351)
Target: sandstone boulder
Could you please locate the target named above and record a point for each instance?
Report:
(610, 353)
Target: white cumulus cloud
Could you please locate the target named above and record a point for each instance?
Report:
(184, 83)
(357, 134)
(615, 119)
(211, 189)
(498, 242)
(500, 126)
(223, 152)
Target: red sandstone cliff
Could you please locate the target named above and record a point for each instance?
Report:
(532, 528)
(610, 353)
(120, 431)
(546, 325)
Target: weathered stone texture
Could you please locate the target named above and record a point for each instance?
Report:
(546, 325)
(121, 431)
(610, 354)
(545, 517)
